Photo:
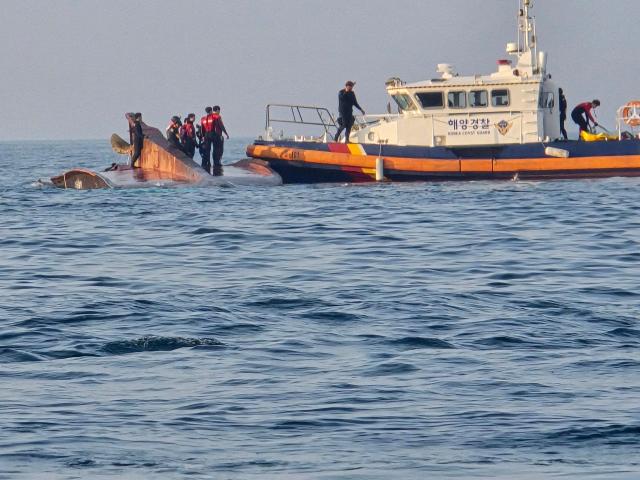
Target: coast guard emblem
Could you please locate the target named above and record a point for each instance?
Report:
(504, 127)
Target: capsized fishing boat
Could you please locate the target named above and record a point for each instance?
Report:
(161, 163)
(498, 126)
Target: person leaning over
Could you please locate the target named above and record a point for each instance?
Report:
(346, 101)
(581, 115)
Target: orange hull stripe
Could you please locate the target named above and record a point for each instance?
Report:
(435, 165)
(579, 163)
(348, 160)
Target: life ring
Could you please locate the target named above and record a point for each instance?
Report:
(631, 113)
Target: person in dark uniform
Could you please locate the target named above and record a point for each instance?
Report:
(173, 133)
(218, 141)
(137, 137)
(346, 101)
(563, 114)
(206, 127)
(188, 135)
(581, 115)
(200, 143)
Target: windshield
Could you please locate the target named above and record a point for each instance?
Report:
(404, 101)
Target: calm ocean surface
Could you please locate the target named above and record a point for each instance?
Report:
(405, 331)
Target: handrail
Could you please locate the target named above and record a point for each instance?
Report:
(327, 122)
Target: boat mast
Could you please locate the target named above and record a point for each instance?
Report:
(530, 61)
(527, 27)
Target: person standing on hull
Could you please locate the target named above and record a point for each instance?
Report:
(200, 141)
(581, 115)
(188, 135)
(218, 141)
(206, 126)
(346, 101)
(137, 137)
(173, 133)
(563, 114)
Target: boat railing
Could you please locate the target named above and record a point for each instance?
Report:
(300, 115)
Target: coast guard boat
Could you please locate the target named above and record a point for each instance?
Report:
(499, 126)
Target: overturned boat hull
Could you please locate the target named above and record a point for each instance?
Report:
(163, 164)
(245, 172)
(313, 162)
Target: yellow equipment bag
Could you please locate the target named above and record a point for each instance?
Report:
(597, 137)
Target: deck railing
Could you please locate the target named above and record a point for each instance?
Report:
(300, 115)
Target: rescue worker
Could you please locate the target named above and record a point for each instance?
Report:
(188, 135)
(581, 115)
(218, 141)
(346, 102)
(206, 125)
(563, 114)
(173, 132)
(200, 144)
(136, 136)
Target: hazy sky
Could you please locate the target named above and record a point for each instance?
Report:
(71, 68)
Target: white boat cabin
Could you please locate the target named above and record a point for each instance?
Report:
(516, 104)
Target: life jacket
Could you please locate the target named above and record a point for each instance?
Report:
(217, 123)
(173, 132)
(187, 131)
(207, 123)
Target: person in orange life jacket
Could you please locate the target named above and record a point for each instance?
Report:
(206, 127)
(137, 137)
(218, 140)
(173, 133)
(188, 135)
(581, 115)
(346, 102)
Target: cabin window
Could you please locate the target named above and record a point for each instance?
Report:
(547, 100)
(431, 99)
(500, 98)
(404, 101)
(457, 99)
(478, 98)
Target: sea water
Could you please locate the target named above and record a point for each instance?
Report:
(411, 331)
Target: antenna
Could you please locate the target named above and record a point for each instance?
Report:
(527, 40)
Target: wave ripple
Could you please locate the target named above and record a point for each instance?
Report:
(428, 330)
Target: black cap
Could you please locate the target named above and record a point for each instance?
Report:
(208, 109)
(175, 118)
(216, 108)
